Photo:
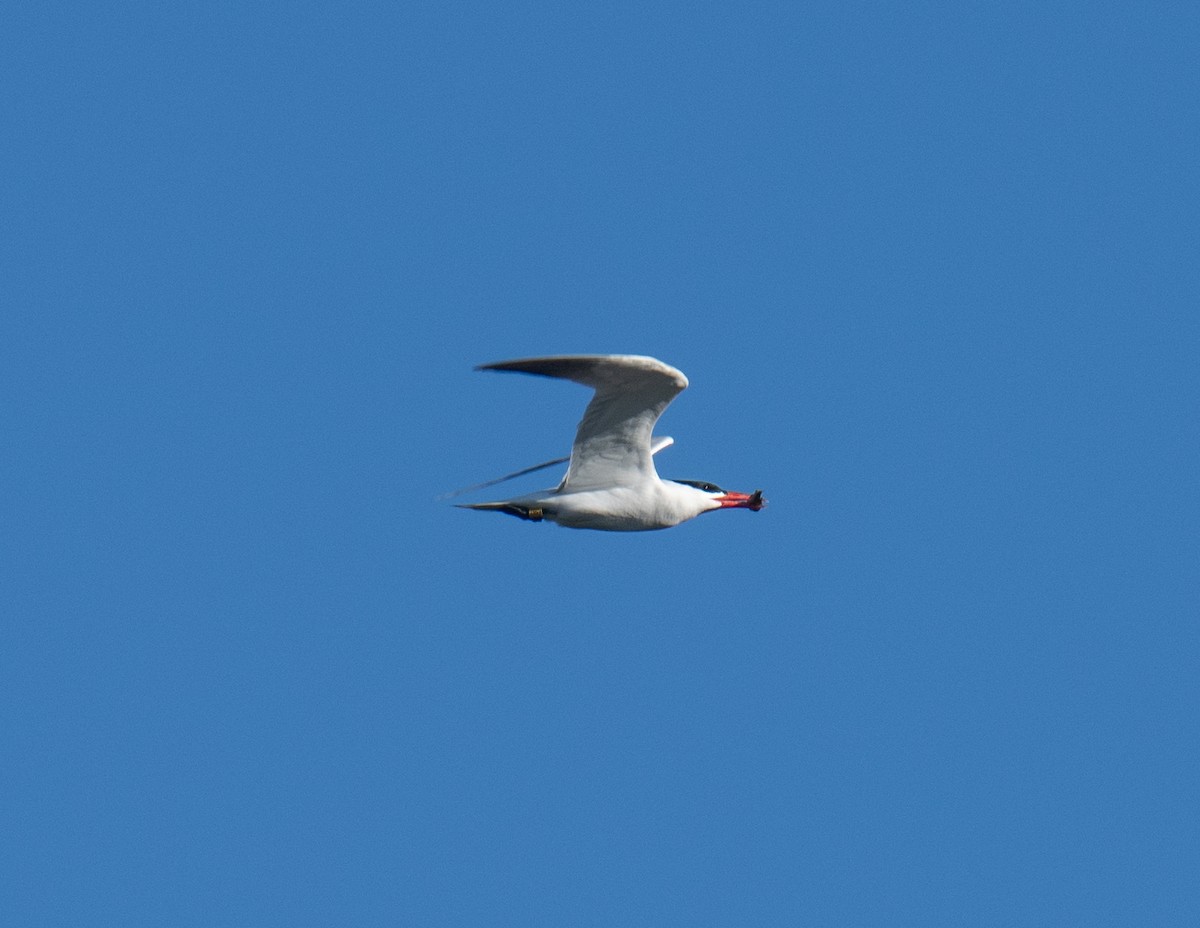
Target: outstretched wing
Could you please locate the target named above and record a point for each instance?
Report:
(612, 442)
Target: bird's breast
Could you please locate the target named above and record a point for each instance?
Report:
(614, 509)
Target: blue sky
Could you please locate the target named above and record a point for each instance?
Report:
(933, 274)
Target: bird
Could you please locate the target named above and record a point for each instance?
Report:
(611, 483)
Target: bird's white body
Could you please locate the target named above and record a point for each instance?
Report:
(651, 504)
(611, 483)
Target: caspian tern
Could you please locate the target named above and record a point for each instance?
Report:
(611, 483)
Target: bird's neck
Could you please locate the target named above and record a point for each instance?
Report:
(685, 502)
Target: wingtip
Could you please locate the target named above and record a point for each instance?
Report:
(581, 367)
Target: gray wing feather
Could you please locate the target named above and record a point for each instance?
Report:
(612, 442)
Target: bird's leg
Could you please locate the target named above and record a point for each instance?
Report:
(524, 512)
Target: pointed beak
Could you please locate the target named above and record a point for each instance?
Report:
(753, 501)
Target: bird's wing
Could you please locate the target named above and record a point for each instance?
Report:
(612, 443)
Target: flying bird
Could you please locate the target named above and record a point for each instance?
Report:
(611, 483)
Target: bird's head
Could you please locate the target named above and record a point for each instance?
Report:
(727, 499)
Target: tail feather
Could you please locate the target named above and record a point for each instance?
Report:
(531, 513)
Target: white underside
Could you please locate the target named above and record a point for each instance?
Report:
(641, 508)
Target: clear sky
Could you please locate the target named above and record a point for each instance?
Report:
(933, 271)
